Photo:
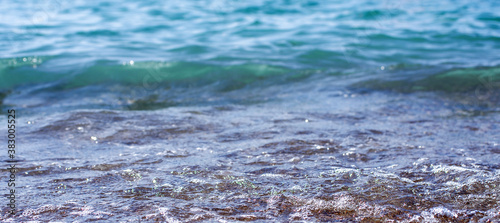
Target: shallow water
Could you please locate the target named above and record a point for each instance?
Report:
(276, 111)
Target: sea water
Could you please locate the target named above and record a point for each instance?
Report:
(227, 111)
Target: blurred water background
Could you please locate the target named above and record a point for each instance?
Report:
(230, 111)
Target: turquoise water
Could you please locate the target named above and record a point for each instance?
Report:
(228, 111)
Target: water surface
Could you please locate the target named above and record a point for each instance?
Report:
(226, 111)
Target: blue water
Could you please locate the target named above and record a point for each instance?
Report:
(230, 111)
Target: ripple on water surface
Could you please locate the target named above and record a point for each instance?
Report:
(262, 163)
